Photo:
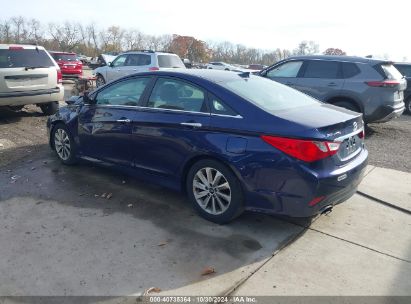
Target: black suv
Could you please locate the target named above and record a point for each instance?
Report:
(405, 69)
(372, 87)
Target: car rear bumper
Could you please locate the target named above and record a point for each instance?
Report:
(20, 98)
(300, 187)
(386, 113)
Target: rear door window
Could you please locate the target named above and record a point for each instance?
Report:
(20, 58)
(170, 61)
(175, 94)
(138, 60)
(322, 69)
(288, 69)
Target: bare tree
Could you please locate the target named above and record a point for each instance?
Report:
(333, 51)
(67, 35)
(307, 48)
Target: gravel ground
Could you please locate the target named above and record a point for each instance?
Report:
(23, 133)
(389, 144)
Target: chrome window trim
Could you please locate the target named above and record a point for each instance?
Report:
(167, 110)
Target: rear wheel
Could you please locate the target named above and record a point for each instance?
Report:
(214, 191)
(100, 81)
(49, 108)
(64, 144)
(347, 105)
(408, 106)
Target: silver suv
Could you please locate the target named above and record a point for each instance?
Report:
(134, 62)
(29, 75)
(369, 86)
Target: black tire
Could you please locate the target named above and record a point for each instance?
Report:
(72, 158)
(226, 69)
(100, 81)
(234, 207)
(347, 105)
(408, 106)
(49, 108)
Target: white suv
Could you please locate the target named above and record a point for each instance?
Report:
(134, 62)
(29, 75)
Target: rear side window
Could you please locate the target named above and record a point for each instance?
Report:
(404, 70)
(219, 107)
(349, 69)
(138, 60)
(321, 69)
(170, 61)
(288, 69)
(24, 58)
(391, 72)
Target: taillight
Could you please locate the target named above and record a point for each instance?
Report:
(59, 76)
(305, 150)
(14, 47)
(154, 69)
(383, 84)
(361, 134)
(315, 201)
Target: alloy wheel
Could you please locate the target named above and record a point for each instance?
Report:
(62, 144)
(211, 190)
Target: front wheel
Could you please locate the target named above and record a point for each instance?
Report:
(49, 108)
(214, 191)
(64, 144)
(100, 81)
(408, 106)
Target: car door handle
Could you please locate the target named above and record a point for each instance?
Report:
(191, 124)
(332, 84)
(289, 83)
(124, 120)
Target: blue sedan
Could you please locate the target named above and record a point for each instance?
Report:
(231, 141)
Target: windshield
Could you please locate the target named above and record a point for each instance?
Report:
(170, 61)
(269, 95)
(64, 57)
(24, 58)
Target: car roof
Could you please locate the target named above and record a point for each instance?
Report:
(24, 46)
(147, 52)
(216, 76)
(338, 58)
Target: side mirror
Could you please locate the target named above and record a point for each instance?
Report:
(110, 64)
(87, 99)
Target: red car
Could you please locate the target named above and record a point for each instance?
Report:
(70, 65)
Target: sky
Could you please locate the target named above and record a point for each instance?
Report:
(360, 27)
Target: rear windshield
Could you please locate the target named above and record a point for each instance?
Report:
(170, 61)
(391, 72)
(64, 57)
(269, 95)
(24, 58)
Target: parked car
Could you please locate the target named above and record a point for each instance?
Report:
(134, 62)
(223, 66)
(29, 75)
(256, 67)
(369, 86)
(232, 141)
(69, 64)
(405, 69)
